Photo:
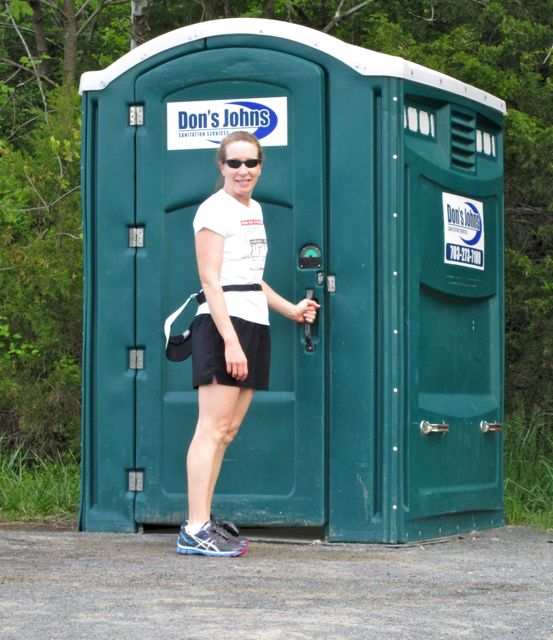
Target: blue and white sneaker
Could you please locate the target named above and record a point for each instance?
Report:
(211, 540)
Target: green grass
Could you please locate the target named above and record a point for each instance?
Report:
(528, 469)
(35, 488)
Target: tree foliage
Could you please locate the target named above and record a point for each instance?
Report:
(40, 281)
(504, 47)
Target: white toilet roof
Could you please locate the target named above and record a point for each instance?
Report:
(363, 61)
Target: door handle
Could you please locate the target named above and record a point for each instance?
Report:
(309, 346)
(427, 427)
(490, 427)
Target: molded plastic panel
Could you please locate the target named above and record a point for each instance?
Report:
(455, 340)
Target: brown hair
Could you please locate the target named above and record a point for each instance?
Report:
(237, 136)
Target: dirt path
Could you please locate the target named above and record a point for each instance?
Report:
(63, 584)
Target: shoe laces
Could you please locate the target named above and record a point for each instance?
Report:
(219, 530)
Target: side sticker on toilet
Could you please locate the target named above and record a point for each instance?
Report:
(463, 231)
(202, 124)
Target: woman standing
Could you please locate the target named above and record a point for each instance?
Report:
(230, 336)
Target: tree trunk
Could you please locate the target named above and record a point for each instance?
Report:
(140, 28)
(229, 10)
(40, 38)
(268, 9)
(69, 42)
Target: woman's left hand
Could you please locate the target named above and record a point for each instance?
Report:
(306, 311)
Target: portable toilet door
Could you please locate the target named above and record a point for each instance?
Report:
(279, 462)
(184, 101)
(331, 444)
(453, 204)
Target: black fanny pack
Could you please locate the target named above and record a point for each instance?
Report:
(179, 347)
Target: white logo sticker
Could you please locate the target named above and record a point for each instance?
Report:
(203, 124)
(463, 231)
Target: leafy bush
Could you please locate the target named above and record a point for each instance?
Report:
(41, 282)
(529, 331)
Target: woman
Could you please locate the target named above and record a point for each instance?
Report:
(230, 336)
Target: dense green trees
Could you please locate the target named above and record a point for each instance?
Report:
(504, 47)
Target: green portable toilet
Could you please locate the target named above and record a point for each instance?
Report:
(382, 194)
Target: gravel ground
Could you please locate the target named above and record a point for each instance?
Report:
(64, 584)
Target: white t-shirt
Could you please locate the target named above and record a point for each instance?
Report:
(244, 253)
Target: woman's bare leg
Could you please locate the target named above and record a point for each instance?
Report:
(221, 410)
(240, 410)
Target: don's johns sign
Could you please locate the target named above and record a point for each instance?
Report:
(202, 124)
(463, 231)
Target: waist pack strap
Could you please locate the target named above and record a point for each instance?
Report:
(200, 298)
(169, 321)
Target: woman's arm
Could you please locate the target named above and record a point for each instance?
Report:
(304, 311)
(209, 256)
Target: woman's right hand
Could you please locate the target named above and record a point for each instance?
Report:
(237, 363)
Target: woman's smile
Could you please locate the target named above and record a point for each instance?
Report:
(240, 182)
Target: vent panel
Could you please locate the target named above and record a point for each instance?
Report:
(463, 140)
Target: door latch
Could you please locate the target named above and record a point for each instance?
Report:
(490, 427)
(427, 427)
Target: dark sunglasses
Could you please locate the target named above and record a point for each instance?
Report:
(235, 164)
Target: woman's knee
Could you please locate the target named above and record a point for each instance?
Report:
(221, 412)
(227, 433)
(220, 431)
(232, 432)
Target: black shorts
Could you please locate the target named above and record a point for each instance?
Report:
(208, 353)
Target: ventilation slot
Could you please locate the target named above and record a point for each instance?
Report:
(463, 140)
